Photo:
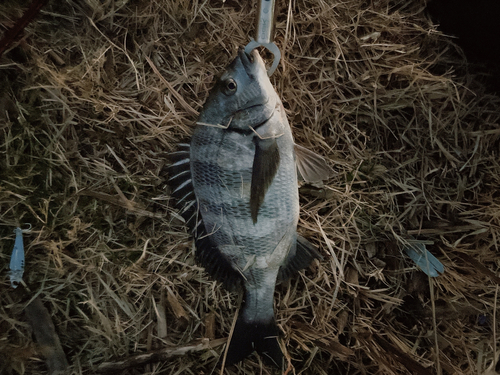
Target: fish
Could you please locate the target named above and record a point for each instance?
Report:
(236, 186)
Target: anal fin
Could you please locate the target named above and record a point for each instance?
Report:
(301, 255)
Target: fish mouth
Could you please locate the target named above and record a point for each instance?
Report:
(251, 62)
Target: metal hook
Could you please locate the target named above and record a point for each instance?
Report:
(25, 230)
(264, 32)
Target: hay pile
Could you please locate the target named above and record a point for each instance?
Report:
(95, 95)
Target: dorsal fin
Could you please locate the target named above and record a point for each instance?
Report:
(208, 255)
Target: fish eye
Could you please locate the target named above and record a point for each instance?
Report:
(230, 87)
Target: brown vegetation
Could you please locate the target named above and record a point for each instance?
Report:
(95, 94)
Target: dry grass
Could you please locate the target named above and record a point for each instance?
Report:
(96, 94)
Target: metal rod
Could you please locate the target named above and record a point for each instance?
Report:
(264, 30)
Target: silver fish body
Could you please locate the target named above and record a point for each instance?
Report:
(236, 184)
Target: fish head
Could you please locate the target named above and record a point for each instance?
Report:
(242, 97)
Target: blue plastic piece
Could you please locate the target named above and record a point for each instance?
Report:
(424, 259)
(17, 260)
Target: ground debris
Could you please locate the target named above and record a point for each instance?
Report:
(96, 95)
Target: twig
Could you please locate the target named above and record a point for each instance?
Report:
(159, 355)
(46, 337)
(20, 25)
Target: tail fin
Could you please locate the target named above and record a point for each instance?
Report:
(261, 336)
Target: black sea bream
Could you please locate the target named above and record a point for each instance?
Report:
(236, 186)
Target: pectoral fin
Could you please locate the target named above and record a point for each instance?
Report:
(265, 165)
(312, 167)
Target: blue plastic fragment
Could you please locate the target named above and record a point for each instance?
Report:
(17, 260)
(424, 259)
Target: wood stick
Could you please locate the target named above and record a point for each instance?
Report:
(46, 337)
(159, 355)
(20, 25)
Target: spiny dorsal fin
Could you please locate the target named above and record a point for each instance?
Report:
(265, 165)
(207, 253)
(312, 167)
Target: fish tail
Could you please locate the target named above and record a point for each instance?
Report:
(258, 335)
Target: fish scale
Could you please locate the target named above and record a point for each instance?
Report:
(278, 212)
(240, 200)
